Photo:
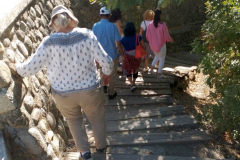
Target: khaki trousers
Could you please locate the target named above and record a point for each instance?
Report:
(93, 103)
(111, 86)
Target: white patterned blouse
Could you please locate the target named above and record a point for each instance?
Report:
(70, 61)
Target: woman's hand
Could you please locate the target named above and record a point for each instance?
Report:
(16, 63)
(172, 40)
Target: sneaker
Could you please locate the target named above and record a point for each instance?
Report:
(119, 69)
(105, 89)
(160, 76)
(152, 72)
(133, 88)
(145, 69)
(86, 156)
(110, 97)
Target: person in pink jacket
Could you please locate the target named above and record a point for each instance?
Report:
(157, 36)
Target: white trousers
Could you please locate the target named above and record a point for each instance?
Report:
(160, 56)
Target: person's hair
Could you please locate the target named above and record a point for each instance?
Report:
(129, 29)
(116, 15)
(61, 19)
(148, 14)
(157, 18)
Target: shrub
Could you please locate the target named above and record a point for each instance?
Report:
(220, 41)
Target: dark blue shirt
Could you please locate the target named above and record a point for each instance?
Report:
(129, 43)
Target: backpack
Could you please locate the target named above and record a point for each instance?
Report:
(144, 34)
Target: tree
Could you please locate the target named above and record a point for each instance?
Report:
(220, 42)
(126, 4)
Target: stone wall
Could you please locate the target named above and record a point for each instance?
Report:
(32, 125)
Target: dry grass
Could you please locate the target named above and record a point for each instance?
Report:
(195, 97)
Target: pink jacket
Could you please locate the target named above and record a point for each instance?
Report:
(157, 37)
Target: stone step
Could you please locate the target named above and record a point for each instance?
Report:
(140, 100)
(96, 156)
(150, 123)
(145, 86)
(155, 138)
(143, 92)
(146, 80)
(151, 111)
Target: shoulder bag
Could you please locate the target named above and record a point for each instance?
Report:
(140, 51)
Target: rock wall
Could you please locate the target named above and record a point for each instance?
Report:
(28, 115)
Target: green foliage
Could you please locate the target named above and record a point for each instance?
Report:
(122, 4)
(126, 4)
(220, 41)
(165, 3)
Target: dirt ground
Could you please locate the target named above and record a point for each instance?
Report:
(195, 96)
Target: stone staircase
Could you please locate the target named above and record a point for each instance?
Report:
(144, 125)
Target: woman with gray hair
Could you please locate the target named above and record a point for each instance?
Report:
(69, 55)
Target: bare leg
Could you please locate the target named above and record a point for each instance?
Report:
(130, 80)
(146, 63)
(134, 80)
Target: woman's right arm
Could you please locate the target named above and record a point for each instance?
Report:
(34, 63)
(141, 31)
(166, 34)
(119, 26)
(104, 60)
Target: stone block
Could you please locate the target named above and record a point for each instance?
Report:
(51, 120)
(30, 142)
(1, 51)
(21, 47)
(9, 55)
(35, 115)
(23, 26)
(32, 13)
(6, 42)
(4, 153)
(38, 10)
(53, 108)
(28, 102)
(43, 125)
(61, 130)
(35, 132)
(16, 92)
(6, 105)
(28, 44)
(5, 74)
(20, 35)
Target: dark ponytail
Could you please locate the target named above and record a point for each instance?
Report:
(157, 18)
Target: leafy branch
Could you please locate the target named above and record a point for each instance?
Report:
(126, 4)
